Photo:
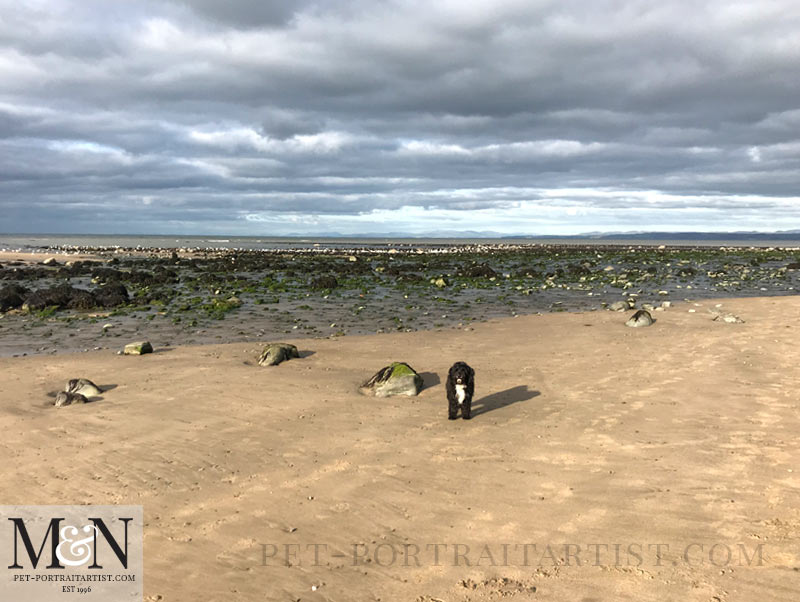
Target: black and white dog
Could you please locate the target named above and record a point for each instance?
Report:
(460, 387)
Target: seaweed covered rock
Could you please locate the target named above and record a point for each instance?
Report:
(324, 282)
(619, 306)
(138, 348)
(112, 294)
(396, 379)
(12, 296)
(275, 353)
(481, 270)
(62, 296)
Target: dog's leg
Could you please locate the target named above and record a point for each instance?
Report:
(452, 409)
(452, 402)
(466, 408)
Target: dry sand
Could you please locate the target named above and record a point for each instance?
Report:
(585, 432)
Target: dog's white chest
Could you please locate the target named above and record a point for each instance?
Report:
(461, 393)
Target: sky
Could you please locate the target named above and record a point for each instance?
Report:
(514, 117)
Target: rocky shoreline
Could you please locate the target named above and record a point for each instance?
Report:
(85, 298)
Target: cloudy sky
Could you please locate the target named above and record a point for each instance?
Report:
(302, 118)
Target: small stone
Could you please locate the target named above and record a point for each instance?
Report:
(138, 348)
(666, 304)
(728, 319)
(63, 398)
(640, 318)
(83, 386)
(663, 293)
(619, 306)
(50, 261)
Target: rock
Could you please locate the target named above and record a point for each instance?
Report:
(138, 348)
(619, 306)
(12, 296)
(324, 282)
(439, 282)
(64, 398)
(728, 319)
(63, 296)
(111, 295)
(396, 379)
(795, 265)
(640, 318)
(478, 271)
(83, 386)
(275, 353)
(666, 304)
(663, 293)
(648, 306)
(50, 261)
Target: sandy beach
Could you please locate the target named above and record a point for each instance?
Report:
(594, 442)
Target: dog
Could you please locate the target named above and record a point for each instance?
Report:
(460, 387)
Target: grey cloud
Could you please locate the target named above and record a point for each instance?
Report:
(288, 109)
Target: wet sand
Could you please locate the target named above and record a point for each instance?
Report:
(599, 444)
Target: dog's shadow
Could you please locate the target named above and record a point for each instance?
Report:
(501, 399)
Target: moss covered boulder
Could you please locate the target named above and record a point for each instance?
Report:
(275, 353)
(396, 379)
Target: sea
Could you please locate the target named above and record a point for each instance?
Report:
(45, 242)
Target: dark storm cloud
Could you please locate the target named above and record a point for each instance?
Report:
(537, 117)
